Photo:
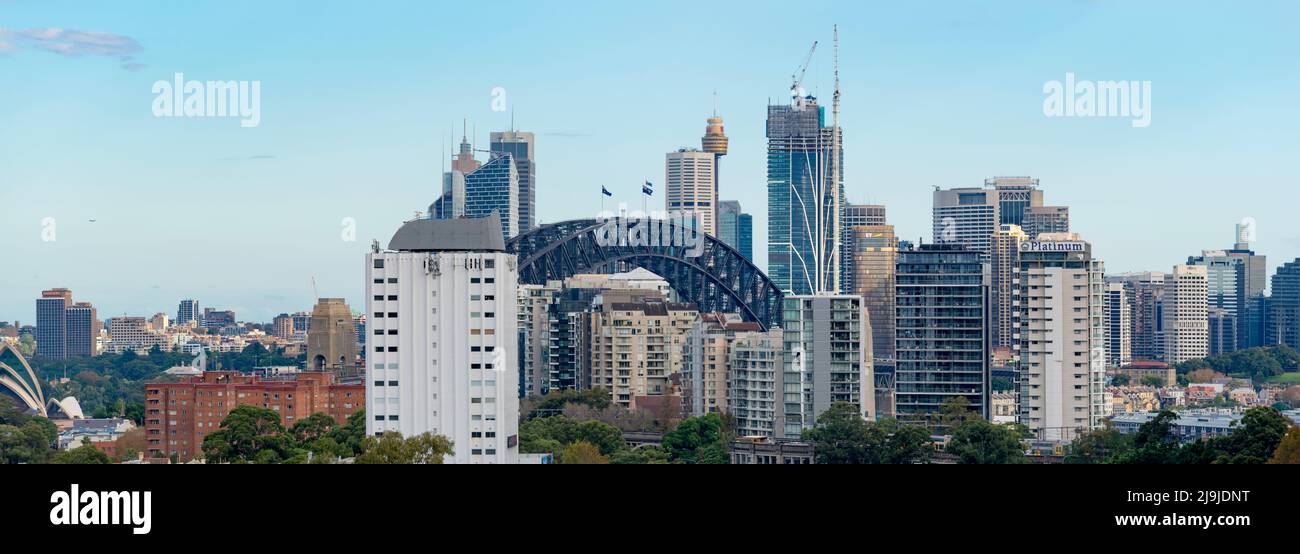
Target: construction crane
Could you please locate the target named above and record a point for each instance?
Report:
(796, 88)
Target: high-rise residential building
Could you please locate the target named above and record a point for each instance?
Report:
(755, 367)
(805, 199)
(1283, 325)
(1059, 309)
(736, 228)
(359, 321)
(965, 216)
(704, 361)
(441, 357)
(52, 323)
(873, 257)
(942, 331)
(636, 347)
(827, 358)
(519, 145)
(1118, 324)
(187, 312)
(179, 415)
(715, 142)
(282, 326)
(688, 176)
(332, 336)
(1046, 219)
(301, 323)
(494, 189)
(1146, 293)
(534, 329)
(82, 330)
(216, 319)
(1186, 321)
(1004, 265)
(159, 322)
(1226, 283)
(131, 333)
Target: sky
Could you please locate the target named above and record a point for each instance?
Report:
(360, 102)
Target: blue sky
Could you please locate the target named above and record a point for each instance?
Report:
(359, 99)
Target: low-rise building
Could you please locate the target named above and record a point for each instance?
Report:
(178, 415)
(769, 451)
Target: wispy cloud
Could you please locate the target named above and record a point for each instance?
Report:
(73, 43)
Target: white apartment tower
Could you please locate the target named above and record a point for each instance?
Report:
(1186, 314)
(688, 175)
(440, 351)
(1061, 344)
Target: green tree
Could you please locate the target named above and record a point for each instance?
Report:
(1119, 380)
(643, 455)
(1099, 447)
(954, 411)
(1288, 451)
(311, 427)
(1154, 442)
(552, 434)
(82, 455)
(553, 403)
(841, 436)
(351, 436)
(976, 441)
(392, 448)
(1256, 438)
(1153, 381)
(245, 433)
(582, 452)
(15, 448)
(697, 440)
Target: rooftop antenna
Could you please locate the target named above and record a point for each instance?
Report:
(315, 290)
(715, 103)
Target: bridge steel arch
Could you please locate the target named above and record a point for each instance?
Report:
(718, 279)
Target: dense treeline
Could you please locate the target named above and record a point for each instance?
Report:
(1256, 363)
(254, 435)
(1257, 439)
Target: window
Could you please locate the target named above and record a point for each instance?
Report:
(379, 298)
(392, 383)
(489, 263)
(392, 297)
(392, 280)
(379, 264)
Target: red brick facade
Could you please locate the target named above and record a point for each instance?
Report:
(178, 415)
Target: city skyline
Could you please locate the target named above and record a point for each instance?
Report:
(330, 146)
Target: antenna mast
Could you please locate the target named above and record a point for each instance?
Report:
(835, 165)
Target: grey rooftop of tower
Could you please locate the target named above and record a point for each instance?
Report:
(479, 234)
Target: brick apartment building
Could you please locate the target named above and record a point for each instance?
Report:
(178, 415)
